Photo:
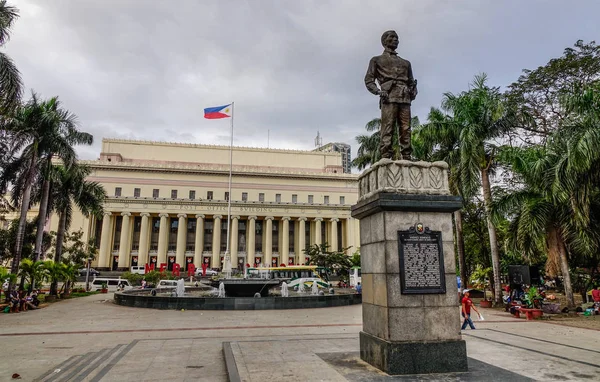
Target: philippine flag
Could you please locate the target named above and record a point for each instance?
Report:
(218, 112)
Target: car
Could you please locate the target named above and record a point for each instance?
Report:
(93, 272)
(209, 272)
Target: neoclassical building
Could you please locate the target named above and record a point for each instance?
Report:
(168, 203)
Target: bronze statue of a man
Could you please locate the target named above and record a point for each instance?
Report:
(397, 88)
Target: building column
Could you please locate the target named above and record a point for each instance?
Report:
(269, 241)
(350, 236)
(105, 236)
(143, 247)
(162, 239)
(334, 245)
(199, 241)
(233, 244)
(124, 247)
(301, 241)
(251, 248)
(318, 231)
(181, 231)
(285, 231)
(216, 259)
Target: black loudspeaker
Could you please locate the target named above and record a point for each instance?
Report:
(523, 274)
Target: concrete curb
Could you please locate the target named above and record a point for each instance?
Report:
(231, 366)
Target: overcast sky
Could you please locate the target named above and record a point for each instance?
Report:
(146, 69)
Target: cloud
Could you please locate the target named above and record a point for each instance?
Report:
(145, 70)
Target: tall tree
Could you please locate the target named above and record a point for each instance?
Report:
(10, 78)
(32, 140)
(72, 189)
(61, 135)
(482, 119)
(438, 139)
(540, 216)
(538, 92)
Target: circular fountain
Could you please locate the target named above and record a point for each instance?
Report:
(228, 295)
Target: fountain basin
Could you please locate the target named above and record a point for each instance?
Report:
(246, 287)
(141, 298)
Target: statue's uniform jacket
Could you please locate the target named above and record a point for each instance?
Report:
(394, 75)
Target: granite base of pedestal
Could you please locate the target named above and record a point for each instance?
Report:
(399, 358)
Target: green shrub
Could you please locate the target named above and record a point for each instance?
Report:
(133, 278)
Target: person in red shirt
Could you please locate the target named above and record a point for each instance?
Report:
(596, 294)
(467, 305)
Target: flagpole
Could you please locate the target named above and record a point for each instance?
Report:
(227, 260)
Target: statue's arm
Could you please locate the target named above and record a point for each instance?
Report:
(371, 76)
(412, 83)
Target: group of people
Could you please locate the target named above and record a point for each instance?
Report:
(20, 301)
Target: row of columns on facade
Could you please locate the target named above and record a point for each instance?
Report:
(143, 252)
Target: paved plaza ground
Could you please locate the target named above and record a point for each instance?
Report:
(91, 339)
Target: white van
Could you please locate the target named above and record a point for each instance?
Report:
(111, 283)
(139, 270)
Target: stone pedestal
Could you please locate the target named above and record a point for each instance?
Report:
(410, 332)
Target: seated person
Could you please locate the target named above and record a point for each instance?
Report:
(29, 302)
(14, 301)
(22, 300)
(34, 298)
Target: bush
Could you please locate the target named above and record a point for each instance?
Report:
(153, 277)
(133, 278)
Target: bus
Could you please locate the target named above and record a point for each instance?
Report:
(292, 275)
(355, 276)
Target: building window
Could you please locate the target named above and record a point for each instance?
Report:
(311, 199)
(155, 193)
(117, 191)
(226, 195)
(261, 197)
(190, 241)
(154, 234)
(209, 195)
(241, 236)
(326, 199)
(244, 196)
(137, 227)
(192, 194)
(223, 235)
(173, 228)
(342, 200)
(173, 194)
(294, 198)
(137, 192)
(208, 234)
(278, 198)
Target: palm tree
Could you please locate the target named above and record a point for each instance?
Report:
(72, 188)
(31, 271)
(439, 139)
(480, 118)
(35, 135)
(70, 273)
(53, 272)
(540, 218)
(60, 132)
(10, 78)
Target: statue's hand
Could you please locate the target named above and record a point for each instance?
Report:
(383, 94)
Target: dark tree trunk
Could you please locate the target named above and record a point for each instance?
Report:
(460, 248)
(26, 199)
(39, 236)
(60, 235)
(487, 198)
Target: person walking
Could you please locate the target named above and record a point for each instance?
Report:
(467, 304)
